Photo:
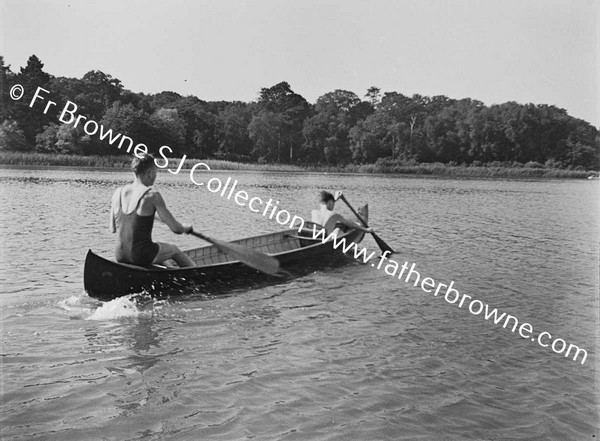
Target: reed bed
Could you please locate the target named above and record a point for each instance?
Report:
(437, 169)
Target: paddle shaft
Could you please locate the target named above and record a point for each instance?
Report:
(202, 236)
(362, 221)
(384, 246)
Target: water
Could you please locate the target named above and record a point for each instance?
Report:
(345, 354)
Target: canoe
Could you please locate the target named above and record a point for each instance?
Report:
(217, 273)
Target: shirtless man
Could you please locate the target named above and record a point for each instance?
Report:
(132, 212)
(325, 216)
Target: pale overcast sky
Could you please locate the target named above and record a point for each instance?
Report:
(539, 51)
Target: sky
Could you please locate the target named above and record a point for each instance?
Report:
(528, 51)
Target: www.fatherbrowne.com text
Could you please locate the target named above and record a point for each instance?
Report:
(452, 296)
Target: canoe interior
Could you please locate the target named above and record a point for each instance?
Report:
(273, 244)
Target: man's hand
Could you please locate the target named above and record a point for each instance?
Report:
(188, 230)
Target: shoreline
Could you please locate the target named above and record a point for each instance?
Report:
(16, 160)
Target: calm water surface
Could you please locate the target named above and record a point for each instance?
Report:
(346, 354)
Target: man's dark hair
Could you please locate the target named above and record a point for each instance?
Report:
(325, 197)
(141, 165)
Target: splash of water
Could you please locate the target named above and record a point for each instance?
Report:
(115, 309)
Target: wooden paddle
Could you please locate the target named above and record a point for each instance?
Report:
(382, 245)
(253, 259)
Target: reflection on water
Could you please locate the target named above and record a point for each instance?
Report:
(338, 353)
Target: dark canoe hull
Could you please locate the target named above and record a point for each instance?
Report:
(216, 274)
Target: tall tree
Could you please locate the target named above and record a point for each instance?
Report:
(373, 95)
(266, 130)
(12, 137)
(200, 123)
(97, 93)
(326, 133)
(126, 120)
(5, 73)
(292, 109)
(31, 120)
(164, 127)
(232, 132)
(370, 138)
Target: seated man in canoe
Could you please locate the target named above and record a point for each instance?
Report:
(326, 217)
(132, 212)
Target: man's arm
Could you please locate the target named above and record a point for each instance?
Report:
(111, 223)
(348, 223)
(112, 226)
(164, 215)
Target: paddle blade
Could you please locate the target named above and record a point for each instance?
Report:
(254, 259)
(382, 245)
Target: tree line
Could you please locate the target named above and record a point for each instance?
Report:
(283, 127)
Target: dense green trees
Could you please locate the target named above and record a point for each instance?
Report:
(233, 135)
(281, 126)
(327, 132)
(276, 127)
(30, 77)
